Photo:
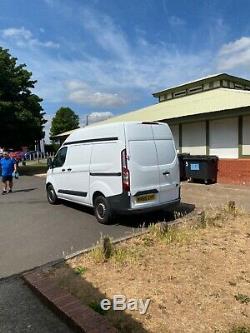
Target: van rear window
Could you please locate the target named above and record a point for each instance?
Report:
(166, 151)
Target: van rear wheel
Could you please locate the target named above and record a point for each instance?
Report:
(51, 195)
(102, 210)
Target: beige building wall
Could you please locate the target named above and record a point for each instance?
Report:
(194, 138)
(223, 138)
(246, 135)
(175, 132)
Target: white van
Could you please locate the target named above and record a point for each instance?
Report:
(117, 168)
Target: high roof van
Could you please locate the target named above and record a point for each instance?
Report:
(127, 167)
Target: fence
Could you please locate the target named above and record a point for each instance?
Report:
(38, 156)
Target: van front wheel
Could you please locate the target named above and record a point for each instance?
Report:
(102, 210)
(51, 195)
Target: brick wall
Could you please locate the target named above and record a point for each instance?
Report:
(234, 171)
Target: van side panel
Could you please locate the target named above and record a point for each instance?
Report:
(76, 180)
(105, 168)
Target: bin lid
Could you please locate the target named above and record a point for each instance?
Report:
(201, 157)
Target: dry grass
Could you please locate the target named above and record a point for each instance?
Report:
(197, 276)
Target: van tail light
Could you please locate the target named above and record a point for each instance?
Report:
(125, 171)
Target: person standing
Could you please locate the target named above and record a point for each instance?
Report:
(8, 166)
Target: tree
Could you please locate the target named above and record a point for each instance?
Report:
(21, 113)
(65, 120)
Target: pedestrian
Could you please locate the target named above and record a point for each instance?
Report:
(1, 156)
(8, 166)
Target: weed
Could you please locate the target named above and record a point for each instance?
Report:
(103, 250)
(97, 253)
(176, 235)
(147, 241)
(242, 298)
(158, 230)
(80, 270)
(107, 247)
(121, 255)
(240, 329)
(203, 222)
(231, 207)
(97, 308)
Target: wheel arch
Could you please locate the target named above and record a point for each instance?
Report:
(95, 195)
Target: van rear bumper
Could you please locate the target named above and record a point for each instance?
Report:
(171, 205)
(121, 204)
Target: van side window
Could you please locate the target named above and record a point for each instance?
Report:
(60, 157)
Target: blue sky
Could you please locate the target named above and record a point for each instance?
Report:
(111, 55)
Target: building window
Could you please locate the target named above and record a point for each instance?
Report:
(238, 86)
(195, 89)
(216, 84)
(225, 83)
(169, 96)
(180, 93)
(162, 98)
(231, 84)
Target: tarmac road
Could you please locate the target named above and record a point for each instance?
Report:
(33, 233)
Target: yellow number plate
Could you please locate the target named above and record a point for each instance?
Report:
(145, 197)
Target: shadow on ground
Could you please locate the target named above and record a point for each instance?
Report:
(31, 170)
(25, 190)
(92, 296)
(141, 220)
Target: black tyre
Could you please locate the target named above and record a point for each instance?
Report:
(102, 210)
(51, 195)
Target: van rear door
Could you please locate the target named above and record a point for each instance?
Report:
(143, 165)
(168, 163)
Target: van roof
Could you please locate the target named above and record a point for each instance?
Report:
(103, 130)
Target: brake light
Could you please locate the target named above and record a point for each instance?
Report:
(125, 171)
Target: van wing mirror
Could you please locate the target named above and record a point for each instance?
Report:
(50, 162)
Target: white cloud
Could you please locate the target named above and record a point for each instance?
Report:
(17, 33)
(81, 93)
(23, 38)
(176, 21)
(235, 54)
(47, 128)
(98, 116)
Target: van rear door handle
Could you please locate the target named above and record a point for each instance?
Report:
(69, 169)
(166, 173)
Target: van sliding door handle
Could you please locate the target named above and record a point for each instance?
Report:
(166, 173)
(63, 170)
(69, 169)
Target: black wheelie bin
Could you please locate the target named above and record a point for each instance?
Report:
(202, 167)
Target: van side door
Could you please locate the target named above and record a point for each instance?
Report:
(58, 170)
(76, 181)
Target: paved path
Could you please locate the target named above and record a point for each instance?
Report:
(22, 312)
(216, 195)
(32, 232)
